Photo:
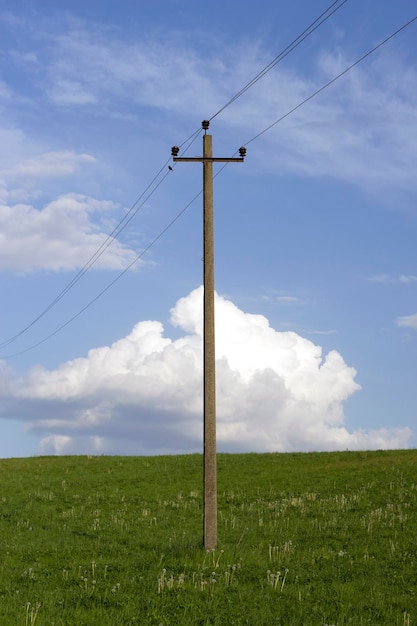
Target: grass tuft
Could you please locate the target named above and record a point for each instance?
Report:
(312, 539)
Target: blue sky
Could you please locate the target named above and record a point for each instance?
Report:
(315, 233)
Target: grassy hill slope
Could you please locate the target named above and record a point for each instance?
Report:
(326, 538)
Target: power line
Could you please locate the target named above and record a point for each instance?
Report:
(110, 285)
(330, 82)
(136, 207)
(122, 224)
(290, 48)
(98, 253)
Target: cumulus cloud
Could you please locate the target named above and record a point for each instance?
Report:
(60, 236)
(276, 391)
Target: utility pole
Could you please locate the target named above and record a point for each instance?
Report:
(209, 368)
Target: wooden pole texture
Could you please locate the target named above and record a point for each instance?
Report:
(209, 367)
(210, 469)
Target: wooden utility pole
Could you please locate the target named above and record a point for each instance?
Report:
(209, 369)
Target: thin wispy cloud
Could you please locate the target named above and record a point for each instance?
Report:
(89, 66)
(391, 279)
(49, 165)
(408, 279)
(289, 300)
(320, 139)
(408, 321)
(324, 209)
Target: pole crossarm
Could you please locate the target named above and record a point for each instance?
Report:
(209, 367)
(209, 160)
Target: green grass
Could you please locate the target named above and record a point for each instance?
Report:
(304, 539)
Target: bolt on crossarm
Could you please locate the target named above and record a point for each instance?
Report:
(209, 366)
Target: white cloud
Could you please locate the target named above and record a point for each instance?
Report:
(21, 173)
(320, 139)
(49, 165)
(60, 236)
(357, 130)
(86, 68)
(143, 394)
(289, 300)
(410, 278)
(409, 321)
(404, 279)
(71, 92)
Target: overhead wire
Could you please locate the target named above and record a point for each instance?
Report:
(98, 253)
(330, 82)
(110, 239)
(115, 280)
(289, 48)
(136, 207)
(321, 89)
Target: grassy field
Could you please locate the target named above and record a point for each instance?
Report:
(304, 539)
